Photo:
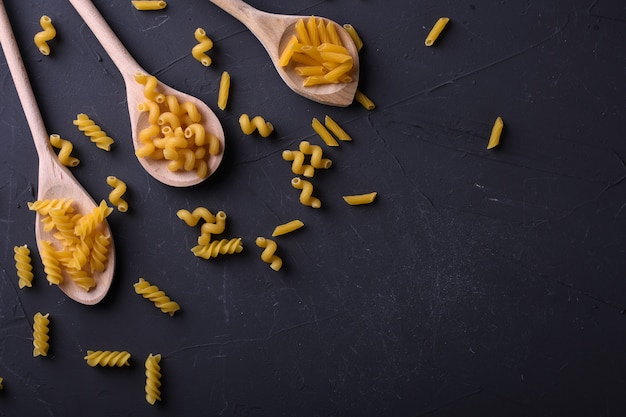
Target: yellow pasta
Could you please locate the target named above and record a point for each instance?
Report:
(257, 123)
(212, 228)
(153, 378)
(204, 44)
(23, 265)
(40, 334)
(109, 358)
(321, 130)
(149, 4)
(336, 129)
(496, 132)
(298, 166)
(218, 247)
(436, 31)
(316, 155)
(363, 100)
(192, 218)
(41, 38)
(93, 131)
(354, 35)
(51, 265)
(66, 148)
(99, 253)
(288, 227)
(1, 386)
(306, 188)
(115, 196)
(92, 220)
(150, 83)
(224, 92)
(82, 278)
(358, 199)
(158, 297)
(269, 253)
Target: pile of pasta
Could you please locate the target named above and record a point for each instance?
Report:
(317, 53)
(80, 246)
(175, 134)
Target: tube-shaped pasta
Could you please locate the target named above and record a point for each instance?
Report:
(298, 166)
(115, 196)
(316, 155)
(364, 100)
(288, 227)
(204, 44)
(323, 133)
(23, 265)
(436, 31)
(66, 148)
(287, 53)
(306, 188)
(149, 4)
(257, 123)
(212, 228)
(150, 84)
(336, 129)
(41, 38)
(269, 252)
(153, 378)
(496, 132)
(358, 199)
(224, 92)
(354, 35)
(153, 109)
(192, 218)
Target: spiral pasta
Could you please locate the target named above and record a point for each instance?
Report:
(40, 334)
(90, 221)
(298, 166)
(257, 123)
(109, 358)
(269, 253)
(51, 265)
(115, 196)
(306, 197)
(316, 155)
(65, 147)
(212, 228)
(153, 378)
(93, 131)
(218, 247)
(41, 38)
(204, 44)
(23, 265)
(158, 297)
(99, 252)
(192, 218)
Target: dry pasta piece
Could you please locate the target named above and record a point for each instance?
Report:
(306, 188)
(51, 265)
(1, 386)
(109, 358)
(93, 131)
(218, 247)
(298, 166)
(66, 148)
(212, 228)
(192, 218)
(158, 297)
(334, 127)
(92, 220)
(153, 378)
(40, 334)
(321, 130)
(257, 123)
(149, 4)
(434, 33)
(363, 100)
(358, 199)
(354, 35)
(115, 196)
(222, 97)
(496, 132)
(316, 155)
(23, 265)
(288, 227)
(204, 44)
(269, 253)
(41, 38)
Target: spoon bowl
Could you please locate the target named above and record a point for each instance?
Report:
(128, 67)
(274, 32)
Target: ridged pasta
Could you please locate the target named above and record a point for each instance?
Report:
(354, 35)
(92, 220)
(23, 265)
(115, 196)
(43, 206)
(109, 358)
(306, 188)
(323, 133)
(153, 378)
(99, 252)
(359, 199)
(269, 253)
(41, 329)
(436, 30)
(93, 131)
(51, 265)
(224, 91)
(337, 130)
(288, 227)
(149, 4)
(158, 297)
(41, 38)
(82, 278)
(218, 247)
(257, 123)
(496, 132)
(65, 149)
(363, 100)
(204, 44)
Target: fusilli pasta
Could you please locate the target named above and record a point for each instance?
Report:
(158, 297)
(269, 253)
(93, 131)
(218, 247)
(109, 358)
(153, 378)
(23, 265)
(40, 334)
(41, 38)
(51, 265)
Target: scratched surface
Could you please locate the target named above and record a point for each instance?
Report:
(479, 283)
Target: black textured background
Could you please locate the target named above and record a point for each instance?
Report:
(480, 282)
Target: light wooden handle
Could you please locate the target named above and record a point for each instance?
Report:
(238, 9)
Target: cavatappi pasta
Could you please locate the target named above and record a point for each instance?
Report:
(364, 101)
(149, 4)
(283, 229)
(41, 38)
(224, 92)
(496, 132)
(269, 252)
(323, 133)
(436, 30)
(306, 192)
(257, 123)
(41, 329)
(298, 166)
(115, 196)
(153, 378)
(158, 297)
(65, 149)
(93, 131)
(23, 265)
(204, 44)
(108, 358)
(358, 199)
(192, 218)
(316, 153)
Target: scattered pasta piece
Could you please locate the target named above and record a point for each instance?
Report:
(1, 386)
(496, 132)
(218, 247)
(23, 265)
(40, 334)
(204, 44)
(436, 31)
(149, 4)
(257, 123)
(288, 227)
(93, 131)
(153, 378)
(363, 100)
(158, 297)
(115, 197)
(358, 199)
(41, 38)
(268, 255)
(66, 148)
(222, 97)
(336, 129)
(321, 130)
(212, 228)
(316, 153)
(354, 35)
(109, 358)
(192, 218)
(298, 166)
(306, 193)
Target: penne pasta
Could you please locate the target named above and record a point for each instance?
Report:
(436, 31)
(364, 100)
(321, 130)
(224, 92)
(288, 227)
(336, 129)
(149, 4)
(496, 132)
(359, 199)
(354, 35)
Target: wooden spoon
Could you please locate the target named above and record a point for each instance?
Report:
(274, 31)
(55, 180)
(128, 67)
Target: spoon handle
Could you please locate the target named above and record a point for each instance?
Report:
(22, 85)
(118, 53)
